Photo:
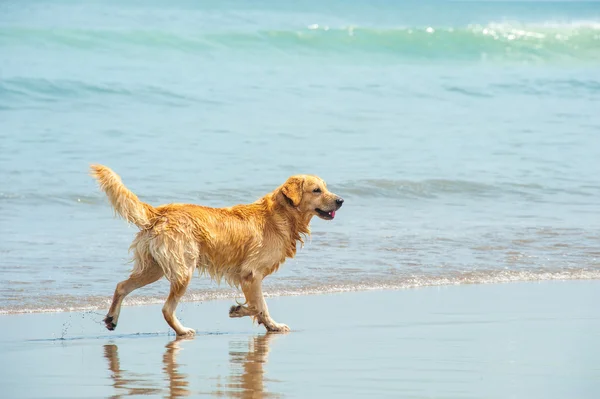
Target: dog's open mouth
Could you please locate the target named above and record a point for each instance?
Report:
(327, 215)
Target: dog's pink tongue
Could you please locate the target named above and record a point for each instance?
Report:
(332, 214)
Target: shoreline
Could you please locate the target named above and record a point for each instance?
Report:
(223, 293)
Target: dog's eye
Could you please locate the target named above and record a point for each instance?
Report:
(317, 190)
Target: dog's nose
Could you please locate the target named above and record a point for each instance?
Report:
(339, 201)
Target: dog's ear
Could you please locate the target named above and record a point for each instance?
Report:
(293, 189)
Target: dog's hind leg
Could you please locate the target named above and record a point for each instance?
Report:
(178, 288)
(150, 273)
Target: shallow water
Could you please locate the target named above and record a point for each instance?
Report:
(498, 341)
(463, 136)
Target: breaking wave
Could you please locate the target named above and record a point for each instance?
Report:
(492, 42)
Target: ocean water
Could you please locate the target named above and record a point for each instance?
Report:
(464, 136)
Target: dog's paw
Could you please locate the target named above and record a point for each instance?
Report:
(241, 311)
(235, 311)
(186, 332)
(108, 321)
(278, 328)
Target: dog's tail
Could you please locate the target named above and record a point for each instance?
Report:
(125, 203)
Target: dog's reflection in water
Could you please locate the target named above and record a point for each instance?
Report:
(246, 379)
(127, 383)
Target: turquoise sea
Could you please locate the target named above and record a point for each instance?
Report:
(464, 137)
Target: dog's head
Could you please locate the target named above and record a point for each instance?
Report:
(309, 195)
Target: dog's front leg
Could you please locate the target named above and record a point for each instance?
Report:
(257, 306)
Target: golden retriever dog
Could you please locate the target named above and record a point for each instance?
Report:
(242, 244)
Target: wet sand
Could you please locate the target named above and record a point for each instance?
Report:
(518, 340)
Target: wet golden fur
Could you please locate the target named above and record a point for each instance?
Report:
(242, 244)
